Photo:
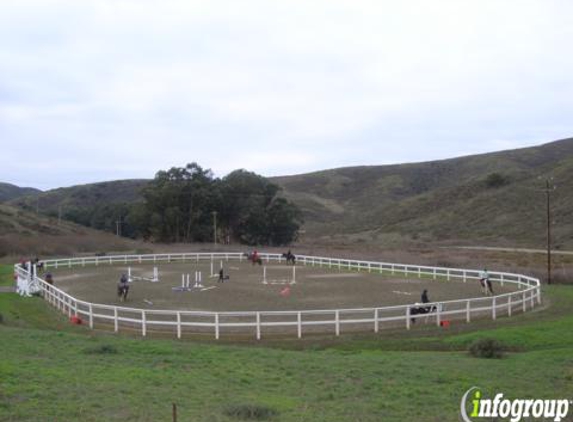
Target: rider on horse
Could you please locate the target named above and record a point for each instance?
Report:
(123, 287)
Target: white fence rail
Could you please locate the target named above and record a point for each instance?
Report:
(527, 296)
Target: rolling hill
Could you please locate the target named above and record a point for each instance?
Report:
(83, 196)
(9, 192)
(493, 199)
(26, 233)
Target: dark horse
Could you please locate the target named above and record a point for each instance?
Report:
(254, 258)
(421, 310)
(290, 258)
(123, 288)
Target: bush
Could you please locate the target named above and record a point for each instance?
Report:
(251, 412)
(496, 180)
(104, 349)
(487, 348)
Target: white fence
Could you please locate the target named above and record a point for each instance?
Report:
(526, 296)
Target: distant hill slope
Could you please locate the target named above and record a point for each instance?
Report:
(485, 198)
(83, 196)
(491, 199)
(9, 191)
(26, 233)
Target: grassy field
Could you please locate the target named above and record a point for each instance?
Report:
(53, 371)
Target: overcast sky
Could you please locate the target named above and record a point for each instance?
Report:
(113, 89)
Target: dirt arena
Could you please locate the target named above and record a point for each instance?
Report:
(315, 288)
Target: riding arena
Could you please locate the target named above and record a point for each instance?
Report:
(232, 294)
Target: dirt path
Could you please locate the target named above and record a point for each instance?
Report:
(524, 250)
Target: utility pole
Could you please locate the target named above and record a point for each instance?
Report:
(214, 227)
(548, 189)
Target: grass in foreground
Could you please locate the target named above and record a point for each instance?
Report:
(50, 370)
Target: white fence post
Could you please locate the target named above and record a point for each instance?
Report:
(337, 321)
(299, 324)
(258, 325)
(178, 325)
(91, 315)
(143, 324)
(407, 317)
(532, 298)
(115, 320)
(509, 306)
(493, 310)
(217, 326)
(468, 319)
(376, 322)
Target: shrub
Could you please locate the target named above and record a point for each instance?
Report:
(251, 412)
(487, 348)
(496, 180)
(104, 349)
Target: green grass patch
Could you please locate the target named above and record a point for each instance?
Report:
(6, 275)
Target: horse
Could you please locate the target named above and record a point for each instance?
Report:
(290, 258)
(421, 310)
(122, 291)
(254, 258)
(486, 286)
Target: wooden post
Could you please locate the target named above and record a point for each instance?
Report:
(174, 412)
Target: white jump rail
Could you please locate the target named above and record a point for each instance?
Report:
(526, 297)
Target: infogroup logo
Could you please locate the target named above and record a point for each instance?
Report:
(515, 410)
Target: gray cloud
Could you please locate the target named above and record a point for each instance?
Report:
(105, 89)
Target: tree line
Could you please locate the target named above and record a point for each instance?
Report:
(183, 204)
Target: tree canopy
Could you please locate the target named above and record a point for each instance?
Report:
(180, 205)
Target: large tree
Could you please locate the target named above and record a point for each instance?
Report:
(179, 204)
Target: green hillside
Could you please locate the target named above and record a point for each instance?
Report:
(492, 198)
(9, 191)
(83, 196)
